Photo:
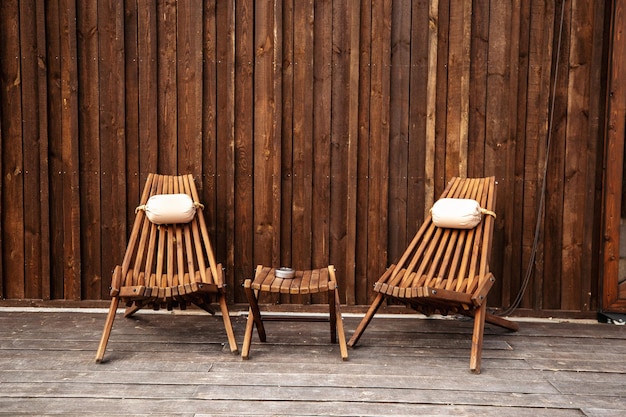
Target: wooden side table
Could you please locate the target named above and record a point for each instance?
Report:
(304, 282)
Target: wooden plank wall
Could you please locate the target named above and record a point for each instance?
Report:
(319, 132)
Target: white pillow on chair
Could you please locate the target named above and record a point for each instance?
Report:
(458, 213)
(169, 208)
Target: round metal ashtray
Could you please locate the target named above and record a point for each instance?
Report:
(285, 272)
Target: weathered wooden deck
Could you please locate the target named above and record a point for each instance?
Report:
(179, 365)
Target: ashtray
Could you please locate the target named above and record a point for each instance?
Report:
(285, 272)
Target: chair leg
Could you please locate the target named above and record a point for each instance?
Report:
(254, 317)
(332, 312)
(335, 319)
(108, 325)
(477, 338)
(227, 324)
(502, 322)
(247, 337)
(132, 309)
(366, 320)
(343, 348)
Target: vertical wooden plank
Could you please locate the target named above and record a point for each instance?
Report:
(303, 144)
(31, 140)
(597, 113)
(441, 100)
(112, 133)
(96, 279)
(347, 276)
(44, 173)
(553, 239)
(538, 105)
(577, 144)
(70, 152)
(399, 127)
(478, 89)
(614, 150)
(147, 57)
(516, 270)
(498, 141)
(508, 197)
(208, 120)
(189, 87)
(418, 102)
(379, 153)
(131, 114)
(225, 151)
(12, 220)
(53, 44)
(339, 136)
(431, 106)
(363, 279)
(244, 226)
(267, 82)
(287, 135)
(167, 119)
(459, 38)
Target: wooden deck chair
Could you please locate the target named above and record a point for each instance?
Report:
(165, 264)
(446, 270)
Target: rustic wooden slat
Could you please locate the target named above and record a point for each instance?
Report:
(97, 284)
(267, 153)
(459, 38)
(478, 88)
(223, 217)
(398, 127)
(597, 117)
(148, 86)
(69, 152)
(575, 160)
(287, 136)
(31, 157)
(418, 101)
(553, 226)
(364, 279)
(244, 158)
(616, 129)
(189, 86)
(539, 92)
(131, 113)
(379, 157)
(167, 94)
(302, 135)
(434, 26)
(13, 238)
(499, 75)
(438, 140)
(44, 172)
(348, 274)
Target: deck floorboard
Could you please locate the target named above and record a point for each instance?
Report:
(180, 365)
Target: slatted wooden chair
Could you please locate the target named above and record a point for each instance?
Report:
(165, 265)
(446, 270)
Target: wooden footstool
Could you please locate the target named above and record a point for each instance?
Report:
(303, 282)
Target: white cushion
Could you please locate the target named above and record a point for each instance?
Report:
(169, 208)
(457, 213)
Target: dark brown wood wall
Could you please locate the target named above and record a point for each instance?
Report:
(319, 131)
